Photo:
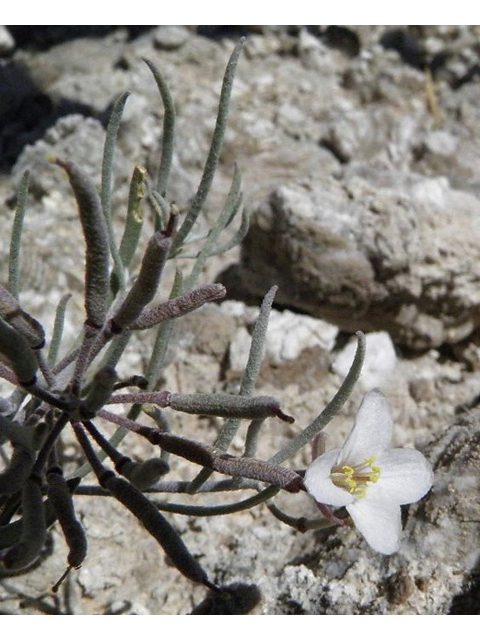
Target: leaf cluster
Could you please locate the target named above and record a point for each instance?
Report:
(50, 395)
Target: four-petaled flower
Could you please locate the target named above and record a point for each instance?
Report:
(369, 478)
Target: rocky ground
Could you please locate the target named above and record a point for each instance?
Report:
(359, 149)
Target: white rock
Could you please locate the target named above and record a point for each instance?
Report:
(287, 336)
(290, 333)
(239, 349)
(380, 360)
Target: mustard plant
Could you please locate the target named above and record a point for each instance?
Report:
(50, 395)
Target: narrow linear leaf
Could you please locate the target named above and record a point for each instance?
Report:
(230, 207)
(236, 237)
(16, 237)
(251, 439)
(161, 210)
(221, 509)
(168, 130)
(214, 153)
(58, 326)
(107, 179)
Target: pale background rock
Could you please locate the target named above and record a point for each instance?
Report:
(389, 252)
(380, 360)
(336, 125)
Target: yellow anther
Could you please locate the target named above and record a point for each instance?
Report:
(356, 478)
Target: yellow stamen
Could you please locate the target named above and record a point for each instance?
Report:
(356, 478)
(350, 482)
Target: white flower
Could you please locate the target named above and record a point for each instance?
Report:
(369, 478)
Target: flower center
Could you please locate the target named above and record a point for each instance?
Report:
(356, 478)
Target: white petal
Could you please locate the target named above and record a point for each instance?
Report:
(320, 486)
(405, 475)
(379, 522)
(372, 430)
